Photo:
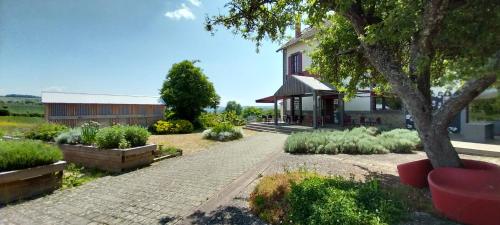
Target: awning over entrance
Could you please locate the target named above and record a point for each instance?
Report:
(302, 85)
(269, 99)
(297, 85)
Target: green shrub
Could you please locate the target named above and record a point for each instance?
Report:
(163, 127)
(45, 131)
(72, 137)
(208, 120)
(223, 132)
(173, 127)
(306, 198)
(109, 137)
(183, 126)
(135, 135)
(89, 131)
(232, 118)
(4, 112)
(119, 136)
(15, 155)
(319, 200)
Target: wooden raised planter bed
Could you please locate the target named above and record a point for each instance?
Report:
(26, 183)
(112, 160)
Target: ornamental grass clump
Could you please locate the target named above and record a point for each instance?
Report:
(223, 132)
(16, 155)
(359, 140)
(89, 131)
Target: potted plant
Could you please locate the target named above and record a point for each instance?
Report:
(28, 168)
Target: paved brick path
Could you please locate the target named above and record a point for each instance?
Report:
(160, 194)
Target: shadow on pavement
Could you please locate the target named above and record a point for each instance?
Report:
(224, 215)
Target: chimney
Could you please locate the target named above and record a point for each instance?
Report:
(298, 31)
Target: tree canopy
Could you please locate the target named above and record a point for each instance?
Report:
(403, 47)
(187, 91)
(233, 106)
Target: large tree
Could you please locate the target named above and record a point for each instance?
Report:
(403, 46)
(187, 91)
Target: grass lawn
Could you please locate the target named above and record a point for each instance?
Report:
(189, 143)
(15, 125)
(23, 108)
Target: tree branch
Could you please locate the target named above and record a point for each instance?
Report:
(348, 51)
(422, 51)
(473, 88)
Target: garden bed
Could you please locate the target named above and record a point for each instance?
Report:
(27, 183)
(112, 160)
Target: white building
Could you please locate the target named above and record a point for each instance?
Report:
(300, 88)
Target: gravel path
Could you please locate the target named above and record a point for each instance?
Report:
(160, 194)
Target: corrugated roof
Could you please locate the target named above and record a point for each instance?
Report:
(300, 85)
(85, 98)
(314, 83)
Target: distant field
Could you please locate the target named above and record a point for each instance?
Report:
(21, 105)
(16, 125)
(23, 108)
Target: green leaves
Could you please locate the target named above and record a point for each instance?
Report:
(187, 91)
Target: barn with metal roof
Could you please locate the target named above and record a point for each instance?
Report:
(73, 109)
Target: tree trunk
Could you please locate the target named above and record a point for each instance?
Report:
(437, 144)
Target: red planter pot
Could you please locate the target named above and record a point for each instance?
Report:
(470, 196)
(415, 173)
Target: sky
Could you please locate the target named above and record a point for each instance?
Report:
(126, 47)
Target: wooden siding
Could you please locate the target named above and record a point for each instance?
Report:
(106, 114)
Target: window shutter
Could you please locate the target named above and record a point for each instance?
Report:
(299, 59)
(289, 65)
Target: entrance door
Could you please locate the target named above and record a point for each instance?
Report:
(328, 110)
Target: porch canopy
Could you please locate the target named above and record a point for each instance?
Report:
(296, 85)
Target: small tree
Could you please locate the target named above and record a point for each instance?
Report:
(252, 111)
(233, 106)
(187, 91)
(404, 47)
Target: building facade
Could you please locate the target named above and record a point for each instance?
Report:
(73, 109)
(305, 100)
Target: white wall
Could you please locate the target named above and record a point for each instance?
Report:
(303, 47)
(358, 103)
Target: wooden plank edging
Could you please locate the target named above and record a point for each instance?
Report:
(14, 175)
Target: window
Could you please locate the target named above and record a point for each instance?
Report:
(295, 63)
(386, 103)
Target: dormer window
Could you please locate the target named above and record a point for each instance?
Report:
(295, 63)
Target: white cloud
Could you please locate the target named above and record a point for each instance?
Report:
(182, 13)
(196, 3)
